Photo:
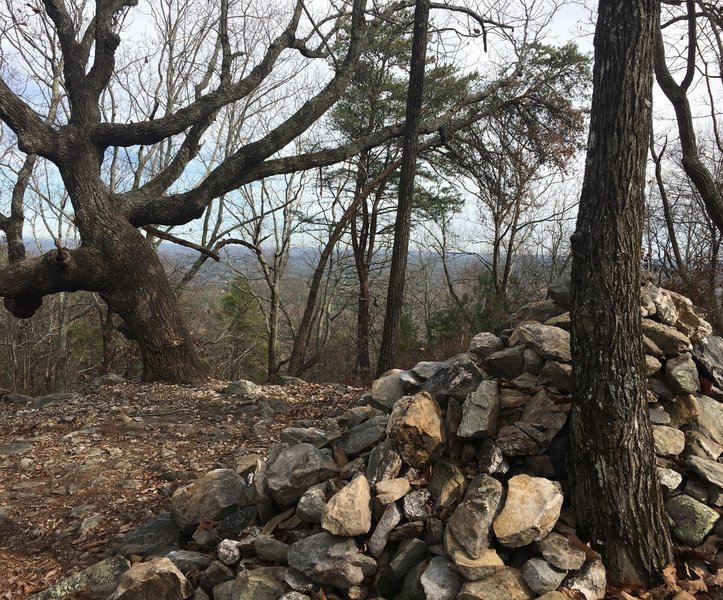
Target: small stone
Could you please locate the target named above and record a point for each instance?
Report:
(485, 343)
(709, 470)
(669, 479)
(439, 581)
(474, 569)
(416, 429)
(384, 463)
(391, 490)
(304, 435)
(311, 504)
(364, 436)
(658, 416)
(391, 517)
(243, 388)
(459, 376)
(410, 553)
(508, 363)
(387, 390)
(590, 580)
(447, 483)
(681, 374)
(265, 583)
(710, 419)
(295, 470)
(212, 497)
(551, 343)
(561, 552)
(216, 573)
(652, 365)
(556, 375)
(187, 560)
(426, 369)
(693, 520)
(270, 549)
(417, 505)
(668, 440)
(479, 412)
(156, 537)
(541, 576)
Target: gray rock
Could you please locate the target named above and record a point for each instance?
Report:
(559, 291)
(364, 436)
(417, 505)
(412, 587)
(229, 551)
(533, 362)
(55, 399)
(187, 560)
(384, 463)
(152, 580)
(471, 522)
(537, 311)
(652, 365)
(668, 440)
(235, 523)
(491, 459)
(485, 343)
(212, 497)
(508, 363)
(295, 470)
(561, 552)
(311, 504)
(156, 537)
(100, 578)
(656, 301)
(348, 512)
(387, 389)
(711, 471)
(668, 339)
(447, 483)
(590, 580)
(551, 343)
(304, 435)
(426, 369)
(515, 442)
(708, 353)
(541, 576)
(480, 411)
(297, 581)
(702, 446)
(697, 490)
(15, 448)
(410, 553)
(710, 419)
(332, 560)
(557, 375)
(459, 376)
(265, 583)
(439, 581)
(660, 389)
(669, 479)
(416, 429)
(658, 416)
(692, 520)
(681, 374)
(243, 388)
(543, 418)
(411, 382)
(530, 512)
(391, 517)
(295, 596)
(12, 398)
(507, 584)
(216, 574)
(201, 595)
(223, 591)
(270, 549)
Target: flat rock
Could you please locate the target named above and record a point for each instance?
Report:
(416, 429)
(670, 341)
(426, 369)
(480, 411)
(698, 444)
(657, 301)
(12, 398)
(708, 354)
(156, 537)
(188, 560)
(669, 479)
(243, 388)
(471, 522)
(711, 471)
(348, 512)
(152, 580)
(55, 399)
(561, 552)
(658, 416)
(212, 497)
(710, 419)
(551, 343)
(507, 584)
(391, 517)
(556, 375)
(100, 578)
(447, 482)
(304, 435)
(384, 463)
(513, 441)
(295, 470)
(474, 569)
(391, 490)
(530, 512)
(270, 549)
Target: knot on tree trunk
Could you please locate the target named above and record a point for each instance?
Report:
(23, 307)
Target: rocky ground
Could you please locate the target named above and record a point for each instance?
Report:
(76, 470)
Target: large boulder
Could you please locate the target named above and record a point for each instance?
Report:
(416, 429)
(295, 470)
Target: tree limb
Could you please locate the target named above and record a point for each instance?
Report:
(34, 136)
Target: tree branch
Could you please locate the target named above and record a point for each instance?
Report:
(34, 136)
(164, 235)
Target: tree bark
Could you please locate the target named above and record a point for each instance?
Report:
(616, 491)
(402, 225)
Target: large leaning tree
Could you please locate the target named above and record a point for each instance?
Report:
(616, 490)
(115, 259)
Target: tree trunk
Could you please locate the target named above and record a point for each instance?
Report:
(616, 491)
(402, 225)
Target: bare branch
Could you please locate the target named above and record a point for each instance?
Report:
(34, 136)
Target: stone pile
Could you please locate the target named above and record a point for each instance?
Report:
(446, 482)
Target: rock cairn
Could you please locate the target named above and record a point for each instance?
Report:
(448, 481)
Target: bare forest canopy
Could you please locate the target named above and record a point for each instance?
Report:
(259, 148)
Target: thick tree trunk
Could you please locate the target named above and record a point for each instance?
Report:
(616, 491)
(402, 225)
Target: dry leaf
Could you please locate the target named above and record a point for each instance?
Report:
(670, 577)
(693, 586)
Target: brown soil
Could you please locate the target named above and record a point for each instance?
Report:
(76, 475)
